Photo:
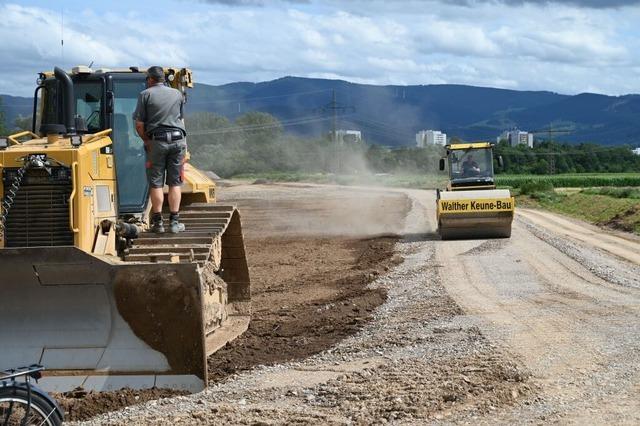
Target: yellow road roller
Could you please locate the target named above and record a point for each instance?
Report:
(471, 206)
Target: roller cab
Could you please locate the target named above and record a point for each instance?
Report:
(471, 206)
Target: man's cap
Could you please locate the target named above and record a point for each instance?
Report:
(156, 72)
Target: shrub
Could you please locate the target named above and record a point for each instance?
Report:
(623, 192)
(547, 196)
(532, 187)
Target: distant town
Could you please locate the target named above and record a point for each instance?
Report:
(435, 137)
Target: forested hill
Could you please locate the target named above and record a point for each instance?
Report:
(391, 115)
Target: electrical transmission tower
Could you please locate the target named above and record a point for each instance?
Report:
(334, 108)
(549, 131)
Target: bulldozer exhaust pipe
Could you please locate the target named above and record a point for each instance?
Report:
(68, 100)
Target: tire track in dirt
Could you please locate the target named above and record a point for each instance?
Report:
(565, 316)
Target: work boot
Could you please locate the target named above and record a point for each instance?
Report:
(175, 225)
(156, 223)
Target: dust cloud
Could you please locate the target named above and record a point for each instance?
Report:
(320, 210)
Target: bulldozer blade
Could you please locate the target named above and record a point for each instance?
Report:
(103, 324)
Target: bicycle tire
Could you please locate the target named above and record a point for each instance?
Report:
(42, 409)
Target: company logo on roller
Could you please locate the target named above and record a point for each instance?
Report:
(470, 206)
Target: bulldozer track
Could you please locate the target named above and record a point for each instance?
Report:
(204, 224)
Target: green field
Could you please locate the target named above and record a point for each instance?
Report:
(582, 180)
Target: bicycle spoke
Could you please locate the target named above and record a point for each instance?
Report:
(6, 419)
(48, 415)
(15, 413)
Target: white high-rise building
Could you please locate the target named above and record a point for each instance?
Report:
(636, 151)
(430, 137)
(348, 136)
(517, 137)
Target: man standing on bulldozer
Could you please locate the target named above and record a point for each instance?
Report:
(160, 124)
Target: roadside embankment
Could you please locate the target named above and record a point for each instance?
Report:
(615, 208)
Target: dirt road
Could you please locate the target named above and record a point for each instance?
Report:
(542, 327)
(311, 255)
(564, 298)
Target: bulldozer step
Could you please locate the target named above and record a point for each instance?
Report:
(204, 224)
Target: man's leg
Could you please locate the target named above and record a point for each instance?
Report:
(175, 196)
(175, 176)
(156, 164)
(157, 199)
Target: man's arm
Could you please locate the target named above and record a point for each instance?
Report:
(139, 116)
(140, 130)
(182, 101)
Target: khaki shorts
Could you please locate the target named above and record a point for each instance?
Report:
(165, 162)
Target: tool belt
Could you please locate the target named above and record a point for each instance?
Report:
(166, 135)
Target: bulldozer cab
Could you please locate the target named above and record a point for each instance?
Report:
(106, 99)
(469, 164)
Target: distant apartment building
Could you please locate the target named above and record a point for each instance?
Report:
(636, 151)
(430, 137)
(349, 136)
(517, 137)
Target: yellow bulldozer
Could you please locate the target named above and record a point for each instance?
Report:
(85, 289)
(471, 206)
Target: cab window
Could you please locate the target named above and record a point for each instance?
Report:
(88, 96)
(129, 148)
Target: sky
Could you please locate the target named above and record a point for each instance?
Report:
(564, 46)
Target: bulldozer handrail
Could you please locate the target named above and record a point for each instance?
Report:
(98, 135)
(14, 138)
(72, 197)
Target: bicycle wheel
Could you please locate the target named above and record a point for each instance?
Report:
(15, 409)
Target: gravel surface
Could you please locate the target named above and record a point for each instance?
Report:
(533, 329)
(566, 310)
(598, 262)
(310, 257)
(419, 359)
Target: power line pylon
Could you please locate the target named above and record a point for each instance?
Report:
(334, 108)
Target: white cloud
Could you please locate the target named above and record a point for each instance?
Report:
(555, 47)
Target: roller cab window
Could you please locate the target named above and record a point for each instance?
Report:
(471, 165)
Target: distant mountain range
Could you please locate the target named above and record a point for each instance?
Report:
(391, 115)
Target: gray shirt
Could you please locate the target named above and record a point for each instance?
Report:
(160, 106)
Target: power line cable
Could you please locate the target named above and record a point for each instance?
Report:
(212, 101)
(279, 124)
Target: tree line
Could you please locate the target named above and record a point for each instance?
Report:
(256, 143)
(21, 122)
(555, 158)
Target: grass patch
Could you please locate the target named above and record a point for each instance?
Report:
(624, 192)
(613, 211)
(534, 187)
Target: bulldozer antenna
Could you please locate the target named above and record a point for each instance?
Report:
(61, 35)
